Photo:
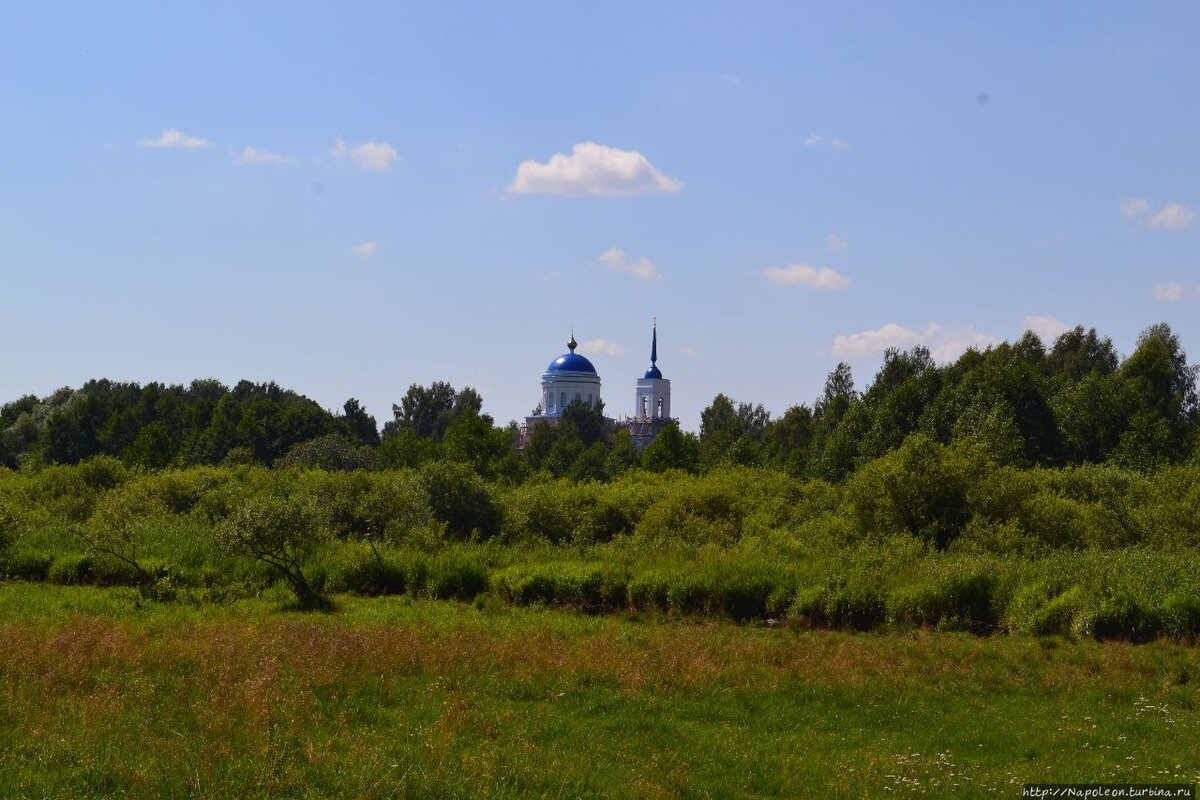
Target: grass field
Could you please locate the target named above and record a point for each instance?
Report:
(105, 694)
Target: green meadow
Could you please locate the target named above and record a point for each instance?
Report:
(108, 694)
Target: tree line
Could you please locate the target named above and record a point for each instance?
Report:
(1021, 404)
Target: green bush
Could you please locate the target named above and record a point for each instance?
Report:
(1121, 615)
(70, 569)
(857, 605)
(524, 584)
(455, 576)
(960, 600)
(919, 489)
(461, 499)
(361, 572)
(1180, 615)
(26, 566)
(647, 590)
(585, 585)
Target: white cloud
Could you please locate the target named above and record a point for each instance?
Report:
(1168, 292)
(371, 156)
(688, 351)
(730, 79)
(1134, 207)
(835, 243)
(366, 250)
(254, 155)
(1171, 217)
(945, 344)
(172, 138)
(592, 169)
(601, 347)
(805, 275)
(816, 140)
(876, 341)
(1048, 328)
(643, 269)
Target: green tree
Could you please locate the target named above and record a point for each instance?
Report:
(429, 411)
(152, 448)
(359, 423)
(333, 452)
(672, 449)
(917, 489)
(461, 499)
(472, 439)
(720, 429)
(1165, 383)
(284, 534)
(1078, 353)
(789, 438)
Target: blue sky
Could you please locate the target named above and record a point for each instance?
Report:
(349, 198)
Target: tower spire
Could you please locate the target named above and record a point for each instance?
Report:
(572, 344)
(654, 343)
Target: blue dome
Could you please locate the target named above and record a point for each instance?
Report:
(653, 373)
(571, 362)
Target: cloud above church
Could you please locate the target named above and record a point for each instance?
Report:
(592, 169)
(371, 156)
(643, 269)
(170, 138)
(258, 156)
(365, 251)
(601, 347)
(1171, 217)
(1048, 328)
(945, 344)
(806, 275)
(1168, 292)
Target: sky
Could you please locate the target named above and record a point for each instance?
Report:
(350, 198)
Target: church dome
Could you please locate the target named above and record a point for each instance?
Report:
(572, 361)
(654, 373)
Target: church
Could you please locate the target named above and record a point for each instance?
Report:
(571, 378)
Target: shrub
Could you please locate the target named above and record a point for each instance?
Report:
(647, 590)
(523, 585)
(917, 489)
(1123, 616)
(1044, 607)
(333, 451)
(461, 499)
(857, 605)
(361, 572)
(454, 576)
(282, 534)
(70, 569)
(949, 600)
(1180, 615)
(26, 566)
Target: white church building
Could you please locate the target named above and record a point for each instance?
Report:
(572, 378)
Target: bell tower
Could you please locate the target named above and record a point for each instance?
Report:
(652, 407)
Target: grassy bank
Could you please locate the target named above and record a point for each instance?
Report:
(106, 694)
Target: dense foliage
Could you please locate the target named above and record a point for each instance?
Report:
(1019, 489)
(927, 535)
(1020, 404)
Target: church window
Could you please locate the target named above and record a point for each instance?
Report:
(589, 401)
(660, 404)
(645, 406)
(562, 401)
(579, 397)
